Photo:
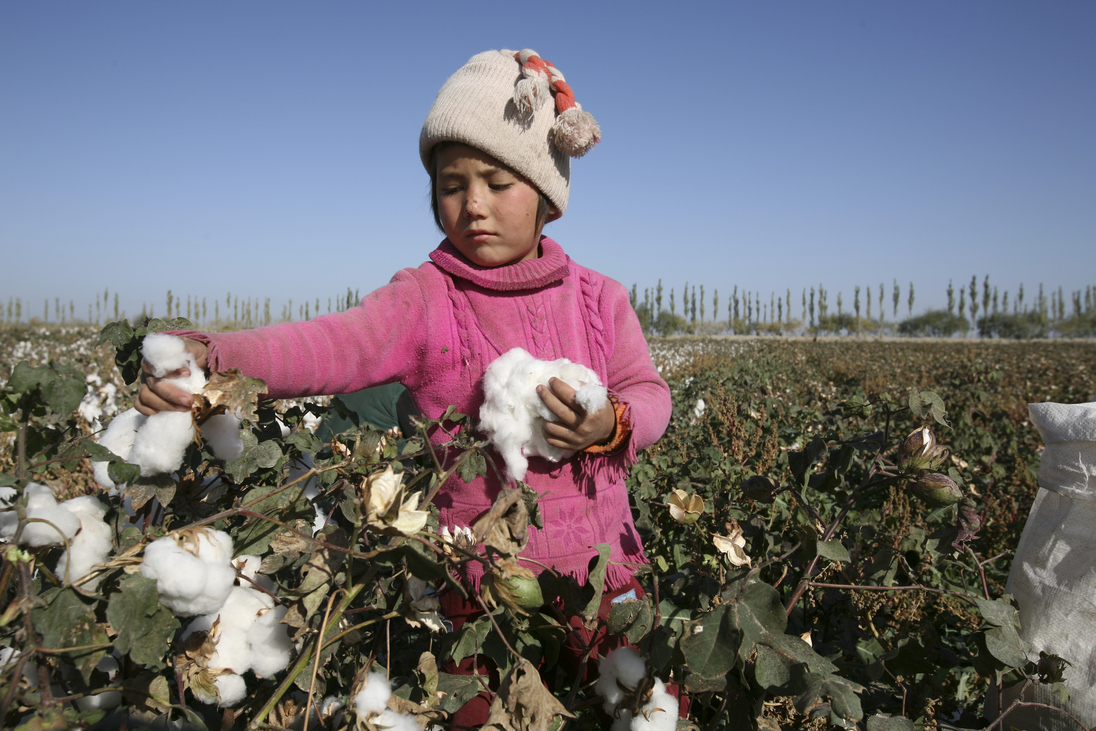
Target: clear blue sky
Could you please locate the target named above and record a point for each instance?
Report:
(270, 148)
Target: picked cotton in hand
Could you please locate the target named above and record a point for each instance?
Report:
(513, 416)
(158, 443)
(162, 441)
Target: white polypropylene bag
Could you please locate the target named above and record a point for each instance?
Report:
(1053, 575)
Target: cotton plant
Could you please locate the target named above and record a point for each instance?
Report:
(158, 443)
(371, 707)
(245, 635)
(192, 569)
(78, 523)
(513, 416)
(620, 678)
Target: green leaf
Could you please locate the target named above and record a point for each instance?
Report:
(474, 465)
(470, 639)
(142, 489)
(711, 643)
(597, 580)
(834, 551)
(144, 626)
(1004, 643)
(631, 618)
(999, 613)
(69, 622)
(255, 456)
(770, 669)
(879, 722)
(924, 403)
(7, 480)
(457, 690)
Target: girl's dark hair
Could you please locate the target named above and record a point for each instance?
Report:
(544, 206)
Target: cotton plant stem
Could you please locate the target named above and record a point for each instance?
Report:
(316, 665)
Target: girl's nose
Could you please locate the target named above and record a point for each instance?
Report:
(473, 205)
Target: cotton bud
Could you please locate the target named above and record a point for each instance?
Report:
(920, 452)
(685, 508)
(760, 489)
(936, 489)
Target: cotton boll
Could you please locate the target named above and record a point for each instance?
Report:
(660, 712)
(214, 546)
(622, 666)
(222, 434)
(161, 443)
(233, 652)
(42, 505)
(231, 688)
(389, 719)
(89, 547)
(374, 695)
(243, 606)
(629, 666)
(118, 438)
(513, 415)
(271, 646)
(193, 580)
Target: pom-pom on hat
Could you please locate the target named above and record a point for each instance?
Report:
(498, 102)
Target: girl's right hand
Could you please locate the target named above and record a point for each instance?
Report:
(159, 394)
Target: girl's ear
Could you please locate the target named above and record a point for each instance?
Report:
(553, 213)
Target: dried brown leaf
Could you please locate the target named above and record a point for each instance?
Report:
(523, 703)
(233, 393)
(505, 527)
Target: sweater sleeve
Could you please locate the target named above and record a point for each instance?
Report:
(375, 343)
(632, 375)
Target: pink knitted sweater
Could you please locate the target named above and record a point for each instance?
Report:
(436, 329)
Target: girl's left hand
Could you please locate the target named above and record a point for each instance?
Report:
(576, 429)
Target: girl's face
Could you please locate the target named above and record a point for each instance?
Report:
(488, 211)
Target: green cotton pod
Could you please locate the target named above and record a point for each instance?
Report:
(936, 489)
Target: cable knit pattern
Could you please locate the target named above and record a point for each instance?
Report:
(436, 329)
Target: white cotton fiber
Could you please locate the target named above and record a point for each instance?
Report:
(162, 440)
(161, 443)
(624, 667)
(231, 688)
(250, 635)
(389, 719)
(374, 695)
(42, 505)
(233, 652)
(118, 438)
(192, 579)
(222, 434)
(513, 416)
(271, 645)
(89, 547)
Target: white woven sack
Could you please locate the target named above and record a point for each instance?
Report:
(1053, 576)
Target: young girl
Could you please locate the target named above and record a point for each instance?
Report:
(496, 144)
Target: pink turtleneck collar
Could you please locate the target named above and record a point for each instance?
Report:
(550, 266)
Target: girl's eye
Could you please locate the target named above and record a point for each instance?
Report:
(450, 189)
(500, 186)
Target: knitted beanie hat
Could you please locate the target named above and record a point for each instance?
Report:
(498, 102)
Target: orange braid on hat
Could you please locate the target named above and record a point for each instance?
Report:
(575, 132)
